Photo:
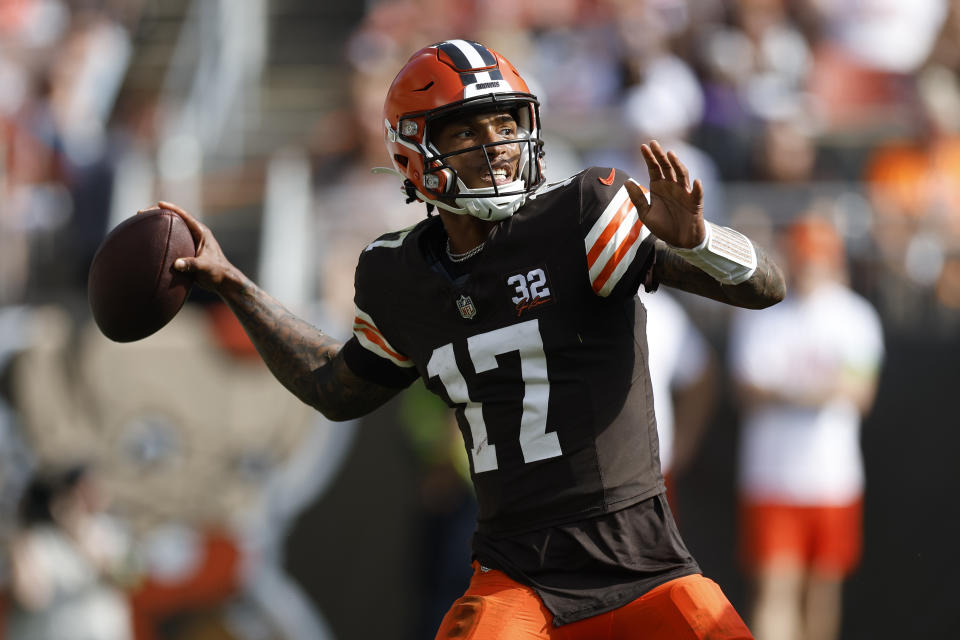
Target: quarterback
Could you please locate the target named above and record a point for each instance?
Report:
(516, 304)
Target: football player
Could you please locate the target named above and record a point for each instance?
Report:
(516, 305)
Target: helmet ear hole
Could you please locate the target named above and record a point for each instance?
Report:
(401, 160)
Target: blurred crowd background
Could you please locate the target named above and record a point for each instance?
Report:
(235, 512)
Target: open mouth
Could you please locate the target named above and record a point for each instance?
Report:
(502, 175)
(499, 173)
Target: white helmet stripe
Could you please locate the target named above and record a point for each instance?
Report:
(468, 51)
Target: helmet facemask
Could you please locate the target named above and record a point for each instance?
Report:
(444, 188)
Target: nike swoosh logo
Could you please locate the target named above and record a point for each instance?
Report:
(609, 179)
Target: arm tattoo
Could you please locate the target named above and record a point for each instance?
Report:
(764, 288)
(303, 358)
(353, 396)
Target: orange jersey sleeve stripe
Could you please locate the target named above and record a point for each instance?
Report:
(359, 322)
(374, 336)
(379, 341)
(618, 255)
(608, 232)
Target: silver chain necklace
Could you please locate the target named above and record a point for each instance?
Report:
(460, 257)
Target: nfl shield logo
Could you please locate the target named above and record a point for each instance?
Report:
(467, 310)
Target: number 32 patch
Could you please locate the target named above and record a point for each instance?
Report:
(530, 289)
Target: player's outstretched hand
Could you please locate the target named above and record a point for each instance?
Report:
(210, 266)
(675, 211)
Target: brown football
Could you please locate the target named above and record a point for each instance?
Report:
(132, 288)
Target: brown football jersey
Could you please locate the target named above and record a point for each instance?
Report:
(537, 343)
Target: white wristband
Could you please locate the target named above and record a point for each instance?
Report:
(725, 254)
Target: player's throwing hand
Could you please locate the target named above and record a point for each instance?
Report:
(210, 266)
(675, 211)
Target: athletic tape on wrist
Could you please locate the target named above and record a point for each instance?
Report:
(725, 254)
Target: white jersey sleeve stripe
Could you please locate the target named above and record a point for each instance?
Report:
(620, 259)
(389, 244)
(370, 337)
(618, 202)
(612, 243)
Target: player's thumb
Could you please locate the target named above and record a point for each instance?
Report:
(185, 265)
(639, 196)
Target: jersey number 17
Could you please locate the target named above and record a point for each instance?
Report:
(524, 338)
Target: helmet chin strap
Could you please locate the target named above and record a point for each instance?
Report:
(496, 208)
(492, 209)
(485, 207)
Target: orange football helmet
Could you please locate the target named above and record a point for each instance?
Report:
(441, 80)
